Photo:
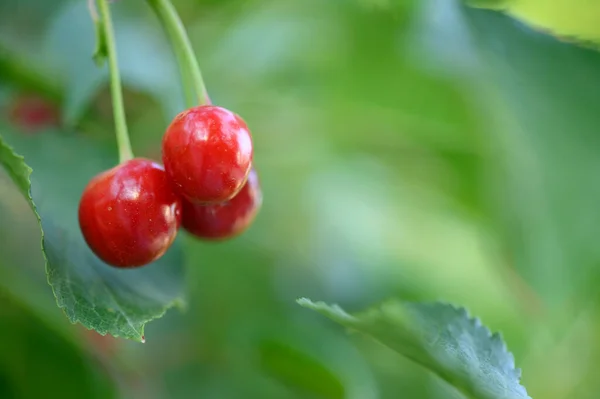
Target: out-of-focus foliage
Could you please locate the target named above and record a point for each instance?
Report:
(422, 150)
(574, 20)
(28, 351)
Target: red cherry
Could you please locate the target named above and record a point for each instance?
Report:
(227, 219)
(129, 215)
(207, 153)
(32, 113)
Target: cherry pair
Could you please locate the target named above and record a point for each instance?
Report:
(129, 215)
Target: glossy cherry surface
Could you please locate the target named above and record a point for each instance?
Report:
(224, 220)
(207, 153)
(129, 215)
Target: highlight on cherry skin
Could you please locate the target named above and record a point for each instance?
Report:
(129, 215)
(207, 153)
(224, 220)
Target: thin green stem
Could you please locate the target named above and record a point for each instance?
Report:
(186, 79)
(188, 63)
(123, 143)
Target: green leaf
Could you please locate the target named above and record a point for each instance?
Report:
(543, 180)
(68, 40)
(314, 362)
(17, 169)
(441, 338)
(108, 300)
(300, 371)
(36, 361)
(491, 4)
(70, 37)
(575, 20)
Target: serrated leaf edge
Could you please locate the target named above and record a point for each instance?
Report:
(339, 315)
(74, 320)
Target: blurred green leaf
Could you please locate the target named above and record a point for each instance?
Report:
(441, 338)
(313, 361)
(29, 355)
(145, 59)
(541, 104)
(491, 4)
(573, 19)
(108, 300)
(300, 371)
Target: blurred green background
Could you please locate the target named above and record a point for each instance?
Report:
(416, 149)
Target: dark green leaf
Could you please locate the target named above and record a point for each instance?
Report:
(299, 371)
(30, 353)
(441, 338)
(108, 300)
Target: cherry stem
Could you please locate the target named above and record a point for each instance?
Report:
(188, 64)
(125, 152)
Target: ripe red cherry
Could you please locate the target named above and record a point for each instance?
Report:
(227, 219)
(129, 215)
(207, 153)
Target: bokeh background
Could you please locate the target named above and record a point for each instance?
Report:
(413, 149)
